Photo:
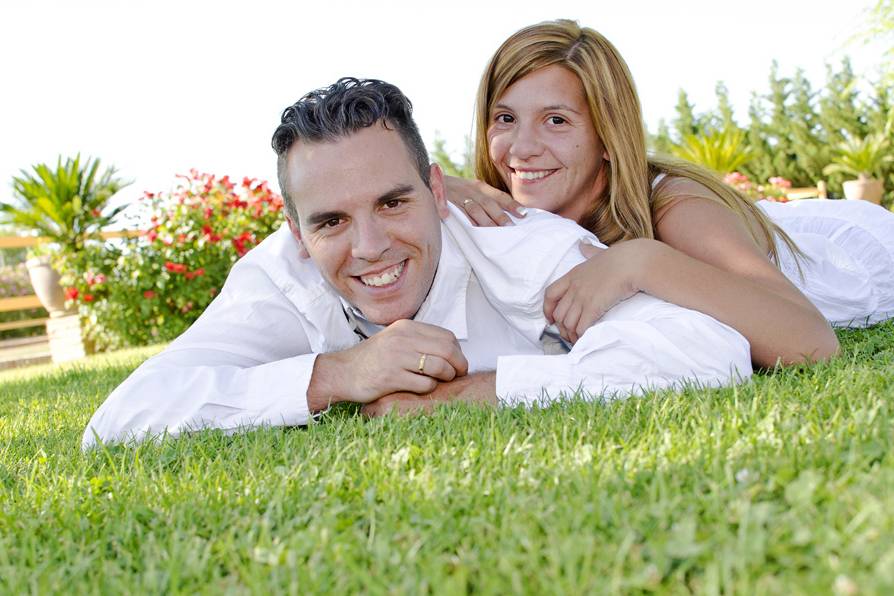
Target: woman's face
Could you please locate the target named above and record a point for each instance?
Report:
(544, 145)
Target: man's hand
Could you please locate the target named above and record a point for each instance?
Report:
(388, 362)
(477, 388)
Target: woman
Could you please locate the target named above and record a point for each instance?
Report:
(559, 127)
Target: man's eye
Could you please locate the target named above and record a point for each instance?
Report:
(393, 203)
(331, 223)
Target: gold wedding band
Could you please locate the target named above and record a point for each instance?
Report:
(467, 201)
(421, 366)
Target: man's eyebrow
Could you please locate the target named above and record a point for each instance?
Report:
(319, 217)
(401, 190)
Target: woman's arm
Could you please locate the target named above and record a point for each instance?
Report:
(709, 262)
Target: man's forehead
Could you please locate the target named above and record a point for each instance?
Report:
(365, 164)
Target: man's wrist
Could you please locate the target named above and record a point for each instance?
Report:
(323, 390)
(477, 387)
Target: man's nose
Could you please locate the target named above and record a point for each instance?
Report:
(526, 142)
(371, 240)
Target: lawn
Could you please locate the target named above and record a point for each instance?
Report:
(782, 485)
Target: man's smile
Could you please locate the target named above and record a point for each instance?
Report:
(385, 277)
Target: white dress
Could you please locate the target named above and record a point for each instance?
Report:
(849, 272)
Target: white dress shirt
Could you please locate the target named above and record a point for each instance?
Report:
(247, 361)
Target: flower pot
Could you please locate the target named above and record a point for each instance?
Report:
(865, 189)
(45, 281)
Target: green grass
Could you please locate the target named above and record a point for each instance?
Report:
(782, 485)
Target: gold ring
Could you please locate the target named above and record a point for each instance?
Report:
(467, 201)
(421, 366)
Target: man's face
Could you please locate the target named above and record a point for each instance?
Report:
(367, 220)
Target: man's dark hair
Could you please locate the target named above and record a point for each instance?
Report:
(341, 109)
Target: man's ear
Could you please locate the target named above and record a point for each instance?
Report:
(436, 180)
(296, 234)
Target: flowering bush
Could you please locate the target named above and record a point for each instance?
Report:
(775, 189)
(151, 288)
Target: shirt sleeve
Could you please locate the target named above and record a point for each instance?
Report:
(245, 362)
(641, 344)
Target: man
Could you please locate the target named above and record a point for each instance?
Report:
(377, 293)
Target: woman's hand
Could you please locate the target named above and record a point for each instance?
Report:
(583, 295)
(484, 204)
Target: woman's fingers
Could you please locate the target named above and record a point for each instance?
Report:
(551, 297)
(568, 327)
(484, 204)
(496, 212)
(504, 199)
(478, 214)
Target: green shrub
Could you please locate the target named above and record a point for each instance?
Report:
(67, 204)
(152, 287)
(792, 129)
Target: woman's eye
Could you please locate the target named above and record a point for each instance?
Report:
(556, 120)
(505, 119)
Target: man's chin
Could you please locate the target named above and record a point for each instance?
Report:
(385, 315)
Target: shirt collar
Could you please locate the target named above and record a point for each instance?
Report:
(445, 305)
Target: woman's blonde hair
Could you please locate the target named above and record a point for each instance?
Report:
(625, 209)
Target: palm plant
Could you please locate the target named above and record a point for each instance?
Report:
(722, 151)
(861, 158)
(64, 204)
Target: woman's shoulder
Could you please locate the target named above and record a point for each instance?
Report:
(669, 191)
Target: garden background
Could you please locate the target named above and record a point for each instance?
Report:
(780, 485)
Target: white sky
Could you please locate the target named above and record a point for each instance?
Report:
(156, 88)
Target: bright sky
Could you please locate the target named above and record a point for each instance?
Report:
(161, 87)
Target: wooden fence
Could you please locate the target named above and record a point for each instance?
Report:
(31, 301)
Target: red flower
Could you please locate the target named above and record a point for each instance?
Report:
(175, 267)
(151, 235)
(149, 294)
(95, 212)
(208, 212)
(88, 297)
(209, 234)
(240, 242)
(71, 293)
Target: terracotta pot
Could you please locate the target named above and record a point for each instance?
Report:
(864, 189)
(45, 281)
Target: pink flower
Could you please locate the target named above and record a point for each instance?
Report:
(780, 182)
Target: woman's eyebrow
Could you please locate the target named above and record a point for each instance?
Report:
(558, 106)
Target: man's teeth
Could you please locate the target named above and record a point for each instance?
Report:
(388, 276)
(532, 175)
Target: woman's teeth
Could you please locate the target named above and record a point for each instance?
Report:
(389, 276)
(532, 175)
